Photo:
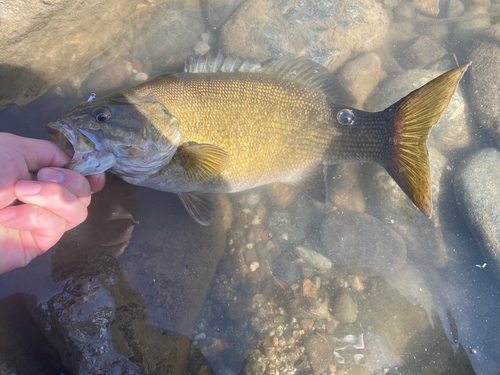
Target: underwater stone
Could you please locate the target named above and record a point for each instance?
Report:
(344, 309)
(477, 190)
(319, 350)
(352, 237)
(328, 32)
(485, 82)
(361, 75)
(421, 53)
(314, 259)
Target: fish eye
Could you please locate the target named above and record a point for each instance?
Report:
(101, 114)
(345, 117)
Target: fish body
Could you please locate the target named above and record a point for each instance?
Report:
(226, 126)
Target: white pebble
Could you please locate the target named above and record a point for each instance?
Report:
(141, 77)
(201, 48)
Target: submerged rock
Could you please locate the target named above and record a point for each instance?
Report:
(77, 322)
(358, 238)
(421, 53)
(361, 75)
(319, 350)
(485, 81)
(344, 309)
(328, 32)
(170, 35)
(477, 190)
(44, 42)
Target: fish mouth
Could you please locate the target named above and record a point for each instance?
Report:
(85, 157)
(69, 139)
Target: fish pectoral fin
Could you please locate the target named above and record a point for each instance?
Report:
(201, 206)
(203, 161)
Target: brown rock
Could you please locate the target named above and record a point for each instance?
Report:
(280, 194)
(319, 350)
(361, 75)
(429, 7)
(305, 307)
(345, 190)
(344, 309)
(309, 289)
(328, 32)
(44, 42)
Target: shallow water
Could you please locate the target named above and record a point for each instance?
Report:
(389, 291)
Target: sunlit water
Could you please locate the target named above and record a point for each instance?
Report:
(433, 310)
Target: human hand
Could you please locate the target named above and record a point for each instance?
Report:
(54, 199)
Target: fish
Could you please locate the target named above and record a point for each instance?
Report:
(225, 125)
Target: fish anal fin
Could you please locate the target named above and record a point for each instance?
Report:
(203, 162)
(200, 206)
(414, 116)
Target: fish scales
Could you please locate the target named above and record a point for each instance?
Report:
(272, 129)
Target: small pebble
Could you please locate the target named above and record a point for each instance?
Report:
(252, 199)
(140, 77)
(201, 48)
(254, 266)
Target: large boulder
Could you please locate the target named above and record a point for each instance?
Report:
(329, 32)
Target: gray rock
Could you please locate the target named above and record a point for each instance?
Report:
(286, 270)
(44, 42)
(314, 259)
(477, 190)
(218, 11)
(428, 7)
(328, 32)
(485, 83)
(421, 53)
(280, 222)
(404, 12)
(77, 322)
(453, 130)
(170, 35)
(455, 8)
(319, 350)
(254, 365)
(358, 238)
(344, 309)
(473, 23)
(305, 307)
(361, 75)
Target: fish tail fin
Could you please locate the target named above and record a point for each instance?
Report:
(414, 115)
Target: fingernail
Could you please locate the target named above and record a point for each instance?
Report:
(50, 175)
(24, 187)
(7, 214)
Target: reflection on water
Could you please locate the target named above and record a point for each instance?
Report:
(279, 283)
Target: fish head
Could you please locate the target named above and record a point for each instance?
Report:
(131, 137)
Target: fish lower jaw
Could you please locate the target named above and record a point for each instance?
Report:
(91, 163)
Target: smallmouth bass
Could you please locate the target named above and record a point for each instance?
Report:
(226, 125)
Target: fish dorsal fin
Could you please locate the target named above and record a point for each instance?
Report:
(203, 161)
(220, 63)
(200, 206)
(296, 69)
(311, 74)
